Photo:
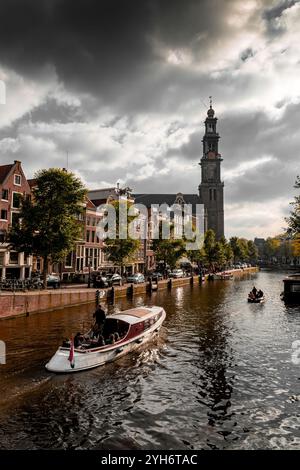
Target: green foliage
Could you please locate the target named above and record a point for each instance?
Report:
(239, 248)
(121, 250)
(168, 251)
(50, 222)
(294, 219)
(252, 251)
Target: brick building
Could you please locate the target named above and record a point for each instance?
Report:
(13, 183)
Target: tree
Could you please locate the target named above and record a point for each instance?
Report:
(294, 219)
(236, 250)
(243, 245)
(196, 256)
(120, 250)
(49, 221)
(228, 253)
(168, 251)
(252, 251)
(272, 247)
(219, 254)
(296, 246)
(209, 246)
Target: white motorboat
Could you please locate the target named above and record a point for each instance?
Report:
(223, 276)
(122, 333)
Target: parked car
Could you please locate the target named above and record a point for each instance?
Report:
(177, 273)
(53, 281)
(114, 279)
(156, 276)
(136, 278)
(100, 281)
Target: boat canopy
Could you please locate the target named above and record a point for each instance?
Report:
(135, 315)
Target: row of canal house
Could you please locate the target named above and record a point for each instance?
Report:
(88, 255)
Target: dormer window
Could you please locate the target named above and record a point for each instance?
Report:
(17, 180)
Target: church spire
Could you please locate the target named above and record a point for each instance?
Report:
(211, 186)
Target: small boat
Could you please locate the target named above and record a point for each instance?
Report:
(256, 300)
(291, 293)
(133, 327)
(223, 276)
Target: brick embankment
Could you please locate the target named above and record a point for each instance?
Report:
(25, 303)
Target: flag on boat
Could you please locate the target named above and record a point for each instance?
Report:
(71, 357)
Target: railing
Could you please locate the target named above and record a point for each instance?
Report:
(15, 285)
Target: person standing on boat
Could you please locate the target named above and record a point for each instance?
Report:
(100, 317)
(254, 291)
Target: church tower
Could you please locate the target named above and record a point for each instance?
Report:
(211, 187)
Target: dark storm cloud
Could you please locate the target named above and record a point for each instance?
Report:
(271, 16)
(248, 137)
(104, 47)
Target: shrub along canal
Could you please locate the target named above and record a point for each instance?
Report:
(220, 376)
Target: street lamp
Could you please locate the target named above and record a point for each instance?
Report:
(89, 266)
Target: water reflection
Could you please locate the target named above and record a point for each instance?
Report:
(219, 376)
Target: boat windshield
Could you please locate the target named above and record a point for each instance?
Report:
(113, 331)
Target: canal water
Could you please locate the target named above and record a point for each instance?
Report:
(220, 376)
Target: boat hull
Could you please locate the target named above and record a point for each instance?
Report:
(256, 301)
(90, 358)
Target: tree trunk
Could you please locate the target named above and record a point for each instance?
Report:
(45, 271)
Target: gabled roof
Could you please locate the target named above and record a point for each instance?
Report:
(89, 203)
(4, 171)
(95, 194)
(170, 199)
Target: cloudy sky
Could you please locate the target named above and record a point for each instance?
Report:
(122, 87)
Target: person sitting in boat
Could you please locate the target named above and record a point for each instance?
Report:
(111, 339)
(260, 294)
(78, 338)
(100, 317)
(254, 291)
(116, 336)
(99, 340)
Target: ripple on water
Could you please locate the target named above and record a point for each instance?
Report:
(219, 376)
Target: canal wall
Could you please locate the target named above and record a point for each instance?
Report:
(26, 303)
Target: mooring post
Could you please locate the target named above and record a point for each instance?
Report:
(97, 297)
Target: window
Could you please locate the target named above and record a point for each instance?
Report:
(3, 236)
(13, 257)
(215, 194)
(87, 235)
(15, 217)
(3, 214)
(17, 180)
(93, 236)
(295, 288)
(16, 200)
(1, 258)
(69, 258)
(5, 194)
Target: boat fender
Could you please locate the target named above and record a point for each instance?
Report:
(119, 350)
(139, 340)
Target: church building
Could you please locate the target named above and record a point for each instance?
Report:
(211, 188)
